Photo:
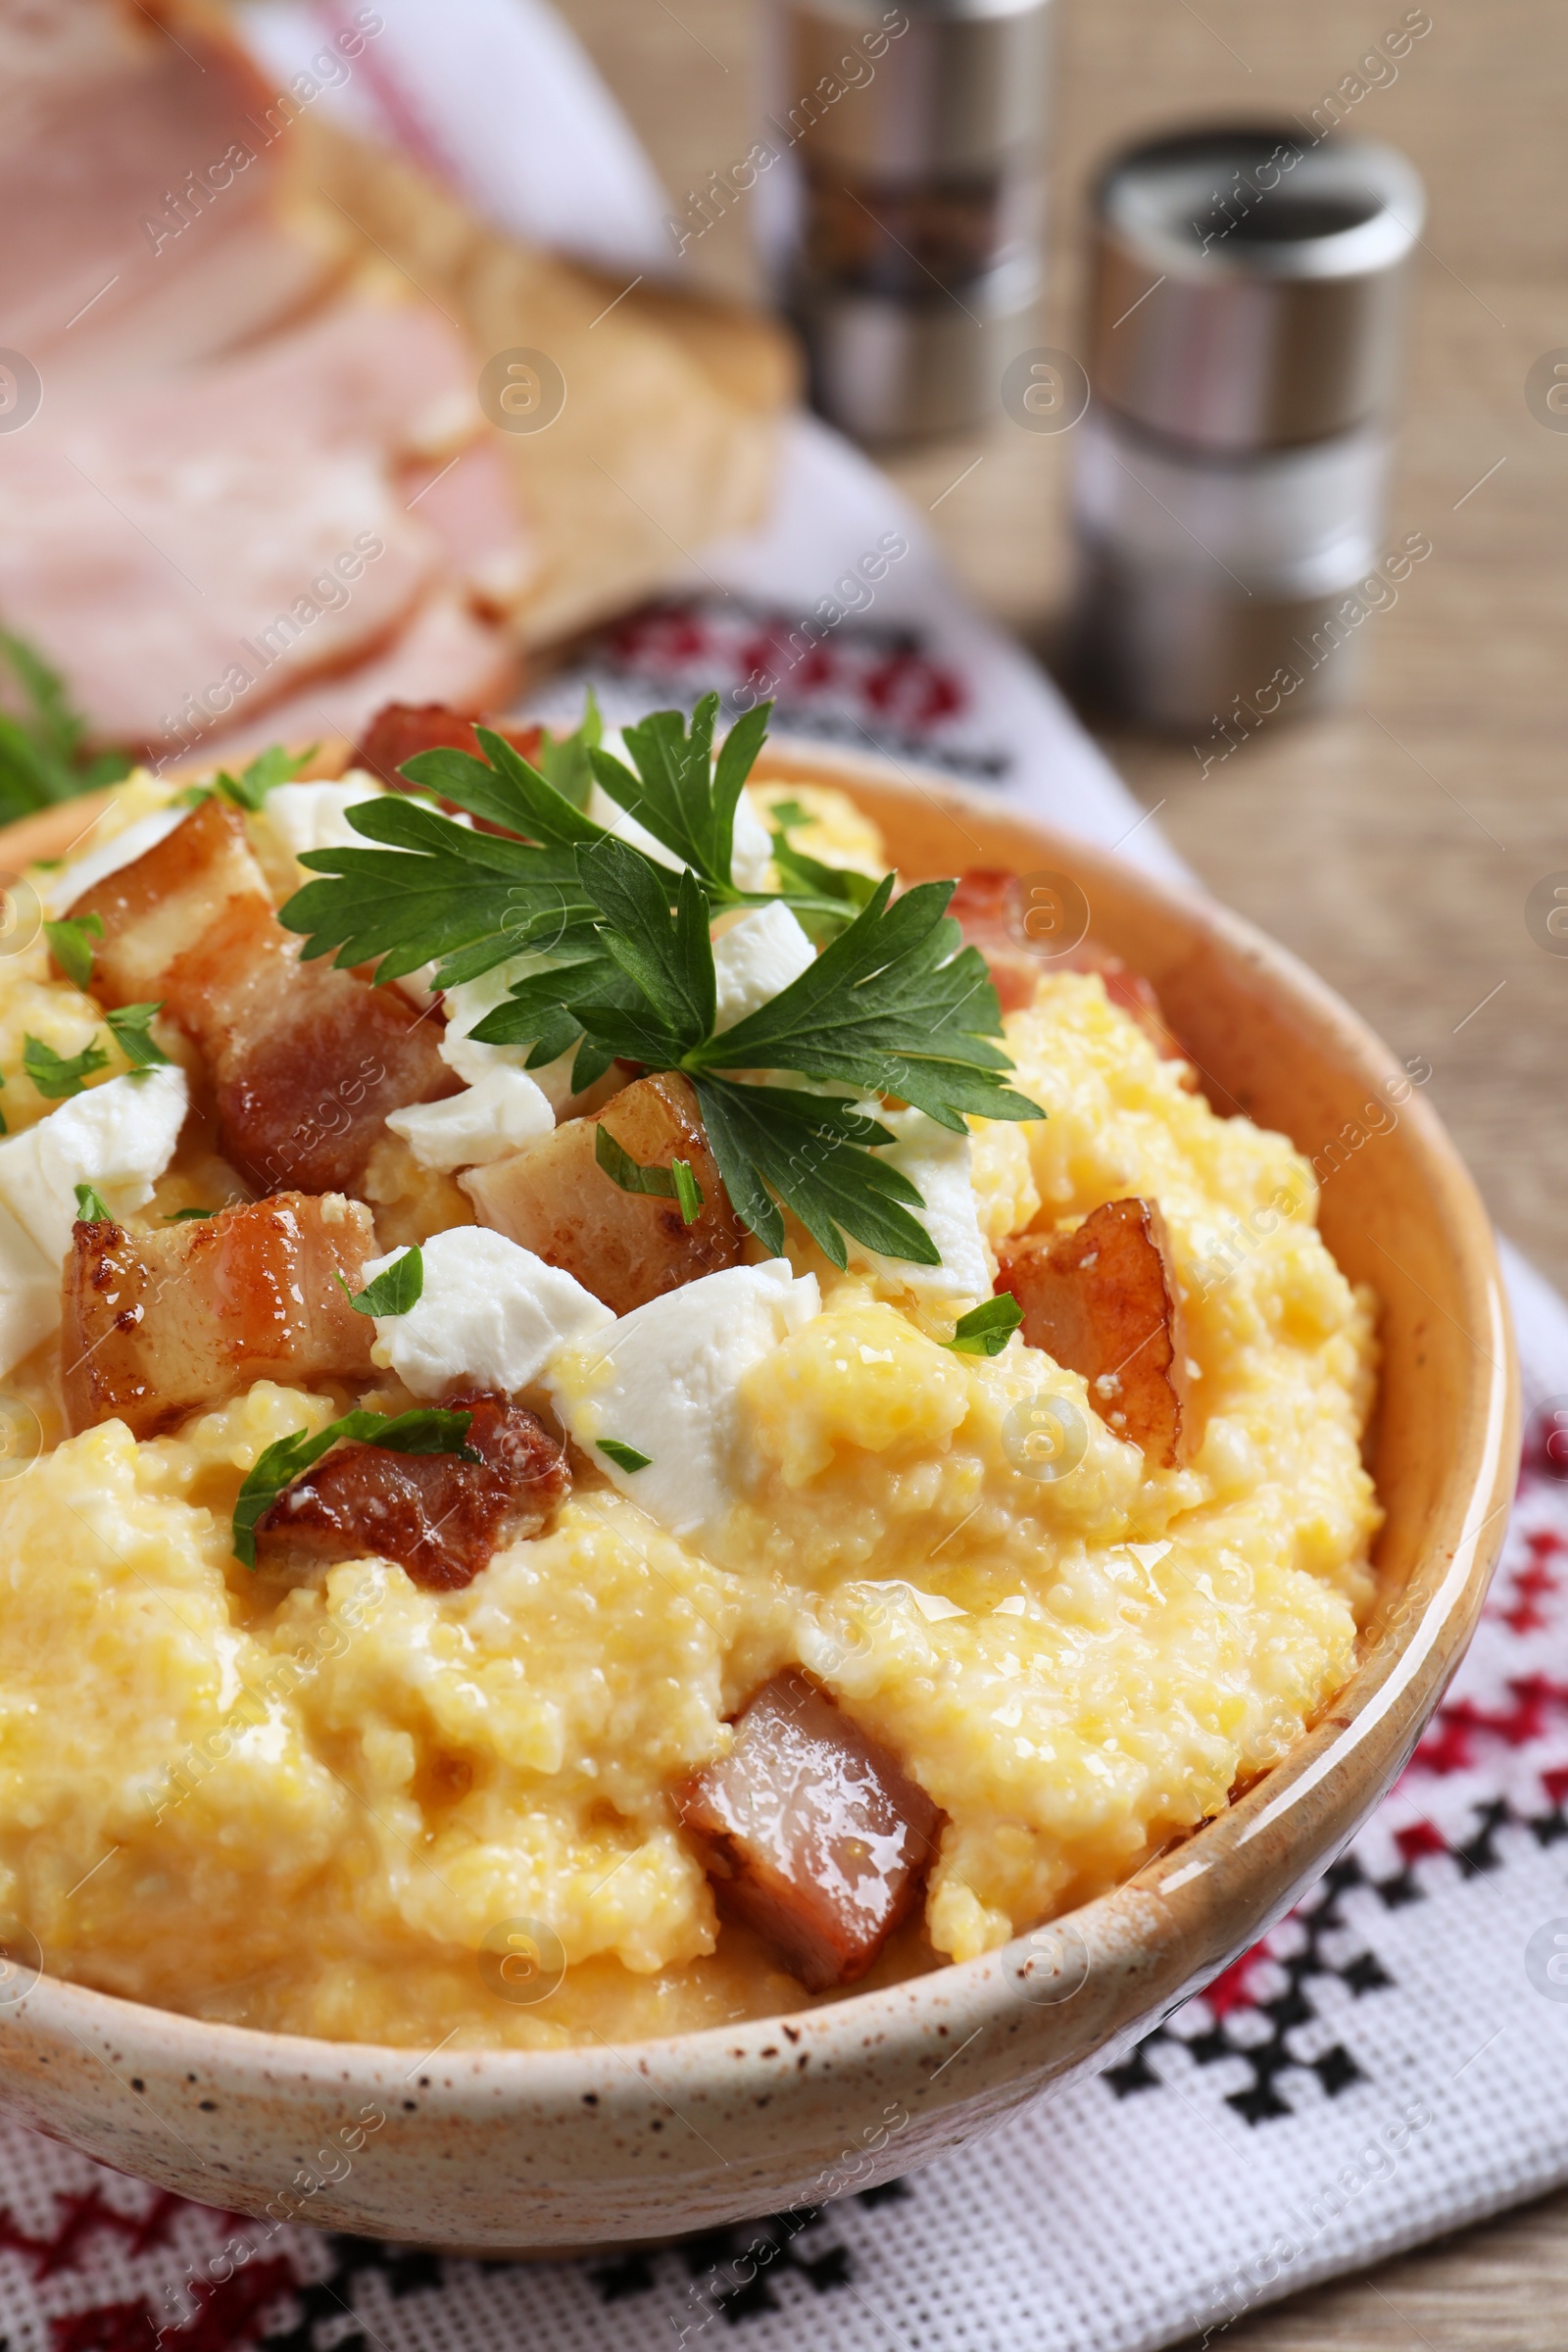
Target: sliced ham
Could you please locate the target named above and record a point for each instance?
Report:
(554, 1199)
(305, 1061)
(197, 549)
(159, 1325)
(1104, 1301)
(142, 188)
(815, 1835)
(441, 1518)
(444, 654)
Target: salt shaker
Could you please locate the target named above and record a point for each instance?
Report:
(907, 212)
(1244, 344)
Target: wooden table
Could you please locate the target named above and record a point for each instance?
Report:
(1393, 847)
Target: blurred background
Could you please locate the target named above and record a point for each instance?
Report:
(1394, 847)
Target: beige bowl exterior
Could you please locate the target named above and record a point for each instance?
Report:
(526, 2153)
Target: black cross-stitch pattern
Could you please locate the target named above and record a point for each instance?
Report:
(1259, 2101)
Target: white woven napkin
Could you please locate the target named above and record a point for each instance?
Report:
(1393, 2061)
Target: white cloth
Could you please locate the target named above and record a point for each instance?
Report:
(1392, 2063)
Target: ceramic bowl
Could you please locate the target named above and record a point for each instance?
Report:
(528, 2153)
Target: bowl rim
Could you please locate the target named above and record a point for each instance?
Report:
(1166, 1894)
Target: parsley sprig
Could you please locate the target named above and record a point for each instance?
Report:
(894, 1005)
(43, 755)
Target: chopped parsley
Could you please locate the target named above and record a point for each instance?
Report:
(396, 1289)
(270, 768)
(71, 944)
(91, 1209)
(624, 1457)
(130, 1026)
(428, 1428)
(56, 1077)
(986, 1329)
(674, 1183)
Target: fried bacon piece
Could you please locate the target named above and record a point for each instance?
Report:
(990, 907)
(400, 730)
(627, 1248)
(305, 1061)
(817, 1837)
(438, 1516)
(156, 1325)
(1104, 1301)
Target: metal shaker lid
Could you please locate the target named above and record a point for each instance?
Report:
(906, 92)
(1248, 284)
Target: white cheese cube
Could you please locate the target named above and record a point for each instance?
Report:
(29, 1293)
(500, 1114)
(752, 849)
(665, 1381)
(751, 845)
(94, 865)
(118, 1138)
(315, 816)
(466, 1006)
(937, 1163)
(490, 1315)
(757, 958)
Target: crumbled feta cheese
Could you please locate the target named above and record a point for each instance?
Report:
(500, 1114)
(937, 1164)
(466, 1006)
(490, 1314)
(665, 1381)
(29, 1293)
(315, 816)
(118, 1138)
(752, 846)
(96, 864)
(757, 958)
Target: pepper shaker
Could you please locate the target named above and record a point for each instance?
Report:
(907, 246)
(1244, 333)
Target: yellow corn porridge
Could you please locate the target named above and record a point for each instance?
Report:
(337, 1807)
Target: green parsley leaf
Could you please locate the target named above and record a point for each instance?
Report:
(787, 814)
(888, 1007)
(565, 761)
(986, 1329)
(270, 768)
(130, 1027)
(840, 887)
(810, 1152)
(71, 944)
(436, 890)
(189, 1216)
(674, 1183)
(428, 1428)
(624, 1457)
(90, 1209)
(42, 754)
(56, 1078)
(394, 1291)
(679, 793)
(668, 958)
(505, 789)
